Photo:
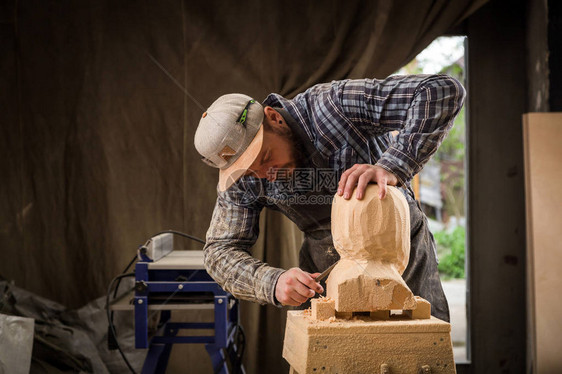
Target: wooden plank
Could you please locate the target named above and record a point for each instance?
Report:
(542, 134)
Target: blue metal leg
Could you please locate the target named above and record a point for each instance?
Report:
(141, 306)
(164, 357)
(159, 353)
(218, 359)
(157, 359)
(141, 322)
(221, 321)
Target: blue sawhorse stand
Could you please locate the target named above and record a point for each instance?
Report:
(179, 281)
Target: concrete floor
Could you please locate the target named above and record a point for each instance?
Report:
(455, 290)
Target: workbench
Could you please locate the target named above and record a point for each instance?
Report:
(178, 282)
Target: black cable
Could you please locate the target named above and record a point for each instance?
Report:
(237, 346)
(119, 283)
(110, 321)
(241, 343)
(123, 272)
(130, 263)
(241, 339)
(236, 350)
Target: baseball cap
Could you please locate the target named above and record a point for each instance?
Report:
(230, 136)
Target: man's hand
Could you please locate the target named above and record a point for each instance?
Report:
(360, 175)
(295, 286)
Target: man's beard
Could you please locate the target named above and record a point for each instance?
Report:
(296, 149)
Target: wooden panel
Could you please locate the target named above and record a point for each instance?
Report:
(543, 187)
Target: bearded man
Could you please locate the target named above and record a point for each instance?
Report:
(293, 155)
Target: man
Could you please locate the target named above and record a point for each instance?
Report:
(342, 135)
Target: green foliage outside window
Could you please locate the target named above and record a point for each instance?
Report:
(450, 156)
(451, 250)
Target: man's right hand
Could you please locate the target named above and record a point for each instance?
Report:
(295, 286)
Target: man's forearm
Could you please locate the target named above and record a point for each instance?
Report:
(239, 273)
(233, 231)
(429, 118)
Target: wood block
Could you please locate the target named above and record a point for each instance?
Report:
(423, 309)
(366, 346)
(322, 308)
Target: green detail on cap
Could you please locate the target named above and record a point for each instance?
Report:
(242, 118)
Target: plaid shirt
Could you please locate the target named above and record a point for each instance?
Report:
(346, 122)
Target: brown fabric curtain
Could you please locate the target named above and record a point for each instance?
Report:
(100, 102)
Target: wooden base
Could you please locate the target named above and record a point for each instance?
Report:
(364, 345)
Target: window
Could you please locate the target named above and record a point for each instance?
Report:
(441, 188)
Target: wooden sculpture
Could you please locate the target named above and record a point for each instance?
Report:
(357, 328)
(372, 237)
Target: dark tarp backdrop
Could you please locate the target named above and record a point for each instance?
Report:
(100, 103)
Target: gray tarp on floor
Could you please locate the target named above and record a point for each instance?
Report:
(71, 340)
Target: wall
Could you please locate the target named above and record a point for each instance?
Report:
(497, 98)
(537, 56)
(555, 54)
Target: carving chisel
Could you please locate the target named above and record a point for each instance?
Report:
(326, 272)
(324, 275)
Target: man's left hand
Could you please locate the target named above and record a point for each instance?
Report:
(360, 175)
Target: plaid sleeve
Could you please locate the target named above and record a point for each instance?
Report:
(421, 107)
(233, 231)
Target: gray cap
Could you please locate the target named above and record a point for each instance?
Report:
(230, 136)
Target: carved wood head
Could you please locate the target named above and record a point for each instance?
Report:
(372, 229)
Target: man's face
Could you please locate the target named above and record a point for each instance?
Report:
(278, 152)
